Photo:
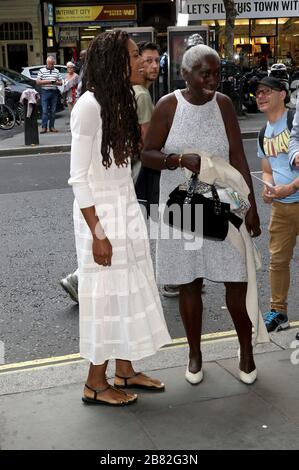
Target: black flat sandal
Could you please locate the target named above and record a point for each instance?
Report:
(95, 401)
(153, 388)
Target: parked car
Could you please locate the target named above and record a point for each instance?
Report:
(14, 84)
(17, 83)
(16, 80)
(32, 72)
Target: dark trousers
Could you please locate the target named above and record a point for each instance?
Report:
(49, 102)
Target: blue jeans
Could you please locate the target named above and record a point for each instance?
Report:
(49, 102)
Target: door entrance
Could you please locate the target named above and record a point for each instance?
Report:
(17, 56)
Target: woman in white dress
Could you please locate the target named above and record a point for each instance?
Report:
(121, 316)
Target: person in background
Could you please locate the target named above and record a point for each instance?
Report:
(293, 158)
(290, 59)
(164, 72)
(49, 79)
(263, 64)
(271, 98)
(149, 52)
(281, 192)
(151, 62)
(82, 62)
(70, 282)
(70, 85)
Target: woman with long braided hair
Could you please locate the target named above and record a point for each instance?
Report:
(121, 316)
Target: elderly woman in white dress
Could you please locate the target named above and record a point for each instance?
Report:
(200, 118)
(121, 316)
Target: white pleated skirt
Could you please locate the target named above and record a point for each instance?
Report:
(121, 315)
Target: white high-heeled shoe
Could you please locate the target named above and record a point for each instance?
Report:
(193, 379)
(247, 379)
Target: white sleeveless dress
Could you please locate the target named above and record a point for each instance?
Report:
(121, 315)
(202, 128)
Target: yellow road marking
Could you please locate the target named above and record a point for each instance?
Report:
(72, 358)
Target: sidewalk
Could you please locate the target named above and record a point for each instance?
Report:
(61, 142)
(48, 143)
(41, 408)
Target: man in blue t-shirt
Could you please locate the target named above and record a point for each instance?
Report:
(271, 97)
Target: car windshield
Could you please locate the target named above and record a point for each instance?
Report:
(6, 78)
(62, 69)
(34, 70)
(34, 73)
(15, 76)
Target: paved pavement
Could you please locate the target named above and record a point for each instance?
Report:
(41, 408)
(60, 142)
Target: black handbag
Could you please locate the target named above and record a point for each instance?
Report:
(182, 212)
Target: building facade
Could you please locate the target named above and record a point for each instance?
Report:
(32, 29)
(264, 28)
(78, 22)
(20, 33)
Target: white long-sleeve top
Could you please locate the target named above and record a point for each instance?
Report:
(88, 176)
(86, 127)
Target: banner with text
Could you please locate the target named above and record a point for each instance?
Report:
(95, 13)
(214, 9)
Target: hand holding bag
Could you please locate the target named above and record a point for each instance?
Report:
(216, 215)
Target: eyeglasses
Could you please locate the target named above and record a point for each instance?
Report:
(264, 91)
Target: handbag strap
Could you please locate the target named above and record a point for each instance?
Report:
(216, 199)
(191, 189)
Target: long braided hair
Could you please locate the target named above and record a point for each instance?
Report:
(107, 75)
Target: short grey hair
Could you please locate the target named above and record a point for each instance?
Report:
(70, 64)
(51, 58)
(195, 54)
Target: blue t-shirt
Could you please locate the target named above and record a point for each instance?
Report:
(276, 145)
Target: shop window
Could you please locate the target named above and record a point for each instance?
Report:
(15, 31)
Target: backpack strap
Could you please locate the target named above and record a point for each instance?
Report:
(261, 138)
(290, 118)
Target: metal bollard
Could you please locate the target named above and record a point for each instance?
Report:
(30, 125)
(2, 92)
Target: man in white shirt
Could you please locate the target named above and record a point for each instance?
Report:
(49, 79)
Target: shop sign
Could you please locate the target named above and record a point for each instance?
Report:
(48, 14)
(95, 13)
(214, 9)
(68, 37)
